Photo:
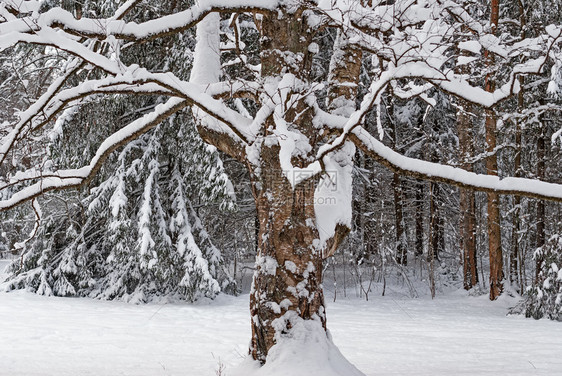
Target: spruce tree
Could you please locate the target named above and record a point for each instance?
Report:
(135, 235)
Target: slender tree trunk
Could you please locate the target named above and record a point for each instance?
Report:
(366, 221)
(431, 251)
(256, 233)
(401, 254)
(419, 219)
(370, 239)
(419, 201)
(467, 200)
(494, 229)
(360, 220)
(436, 238)
(541, 172)
(514, 276)
(467, 239)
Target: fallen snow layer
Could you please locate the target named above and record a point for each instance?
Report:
(451, 335)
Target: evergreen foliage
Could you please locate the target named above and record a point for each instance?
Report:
(141, 237)
(544, 299)
(136, 235)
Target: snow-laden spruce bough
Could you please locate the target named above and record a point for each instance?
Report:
(291, 142)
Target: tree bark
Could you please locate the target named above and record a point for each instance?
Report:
(541, 172)
(401, 254)
(514, 277)
(514, 256)
(467, 200)
(435, 225)
(370, 222)
(419, 218)
(287, 284)
(288, 277)
(433, 239)
(494, 229)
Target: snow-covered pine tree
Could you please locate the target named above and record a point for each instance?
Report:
(136, 235)
(544, 298)
(142, 237)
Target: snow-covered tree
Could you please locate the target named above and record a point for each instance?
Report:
(544, 298)
(121, 241)
(136, 236)
(296, 132)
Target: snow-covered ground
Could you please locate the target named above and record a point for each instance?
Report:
(451, 335)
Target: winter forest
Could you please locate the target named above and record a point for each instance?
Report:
(395, 162)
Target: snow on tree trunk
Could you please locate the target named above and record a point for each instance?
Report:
(295, 230)
(287, 285)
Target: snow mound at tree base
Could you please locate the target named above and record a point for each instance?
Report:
(306, 350)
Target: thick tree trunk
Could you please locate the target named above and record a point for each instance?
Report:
(287, 285)
(288, 281)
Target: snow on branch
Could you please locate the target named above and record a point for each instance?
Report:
(437, 172)
(133, 80)
(50, 37)
(115, 27)
(7, 142)
(105, 86)
(447, 80)
(73, 178)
